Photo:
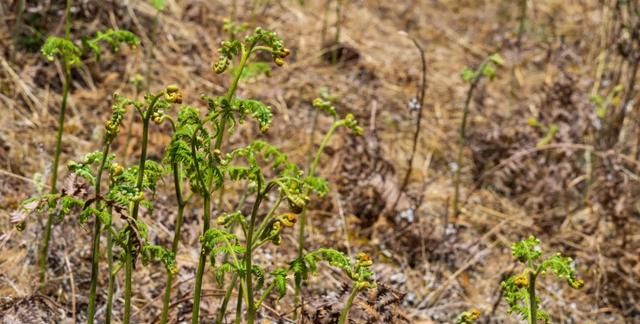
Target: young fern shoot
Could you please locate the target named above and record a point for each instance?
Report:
(360, 273)
(115, 171)
(520, 290)
(349, 121)
(174, 162)
(197, 142)
(70, 55)
(197, 147)
(487, 69)
(146, 175)
(111, 131)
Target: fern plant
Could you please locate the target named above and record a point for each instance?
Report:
(83, 169)
(68, 52)
(359, 272)
(125, 189)
(173, 160)
(197, 147)
(323, 104)
(520, 290)
(146, 174)
(132, 238)
(69, 56)
(486, 69)
(277, 188)
(197, 142)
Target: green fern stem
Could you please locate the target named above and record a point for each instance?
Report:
(146, 116)
(533, 307)
(344, 314)
(206, 195)
(303, 215)
(177, 179)
(128, 269)
(251, 311)
(239, 305)
(227, 297)
(96, 237)
(267, 220)
(462, 142)
(232, 91)
(234, 281)
(323, 144)
(265, 294)
(111, 283)
(195, 316)
(44, 252)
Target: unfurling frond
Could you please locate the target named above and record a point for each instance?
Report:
(256, 109)
(563, 268)
(113, 38)
(227, 51)
(63, 49)
(527, 250)
(270, 40)
(325, 106)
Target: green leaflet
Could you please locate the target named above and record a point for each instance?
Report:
(154, 253)
(280, 281)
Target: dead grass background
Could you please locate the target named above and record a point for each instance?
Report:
(435, 266)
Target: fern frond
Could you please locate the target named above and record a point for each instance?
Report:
(221, 270)
(154, 253)
(113, 38)
(280, 281)
(63, 49)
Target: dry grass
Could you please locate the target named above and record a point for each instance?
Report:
(435, 269)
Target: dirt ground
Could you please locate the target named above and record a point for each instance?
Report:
(575, 188)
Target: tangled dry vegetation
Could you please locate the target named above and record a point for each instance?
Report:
(552, 150)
